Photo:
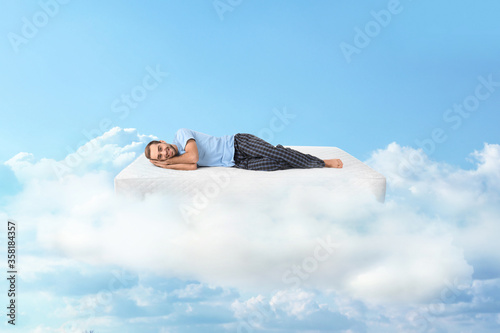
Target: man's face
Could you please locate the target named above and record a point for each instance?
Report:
(162, 151)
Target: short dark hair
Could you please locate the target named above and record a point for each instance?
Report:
(147, 150)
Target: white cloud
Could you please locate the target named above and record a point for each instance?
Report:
(111, 151)
(293, 303)
(294, 308)
(195, 291)
(438, 225)
(243, 309)
(33, 265)
(45, 329)
(144, 296)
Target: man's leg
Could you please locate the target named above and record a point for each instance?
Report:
(248, 146)
(261, 164)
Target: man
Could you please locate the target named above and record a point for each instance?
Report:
(191, 149)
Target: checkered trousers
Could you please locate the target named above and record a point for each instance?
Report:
(253, 153)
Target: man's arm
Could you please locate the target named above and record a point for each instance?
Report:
(180, 166)
(189, 157)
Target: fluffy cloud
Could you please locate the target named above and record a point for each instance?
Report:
(464, 202)
(435, 234)
(111, 152)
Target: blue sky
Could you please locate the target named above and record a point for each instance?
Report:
(379, 80)
(226, 76)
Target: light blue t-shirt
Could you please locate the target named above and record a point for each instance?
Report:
(212, 151)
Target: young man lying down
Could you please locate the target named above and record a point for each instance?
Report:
(191, 149)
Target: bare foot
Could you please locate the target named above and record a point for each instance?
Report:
(335, 163)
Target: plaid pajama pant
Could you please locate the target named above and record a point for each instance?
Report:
(253, 153)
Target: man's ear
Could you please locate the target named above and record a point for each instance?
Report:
(162, 141)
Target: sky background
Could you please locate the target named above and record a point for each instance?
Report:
(390, 82)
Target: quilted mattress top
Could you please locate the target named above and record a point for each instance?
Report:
(142, 176)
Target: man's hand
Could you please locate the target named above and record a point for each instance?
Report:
(181, 166)
(161, 164)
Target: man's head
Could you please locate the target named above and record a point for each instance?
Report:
(160, 150)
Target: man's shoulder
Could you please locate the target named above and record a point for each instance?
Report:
(183, 130)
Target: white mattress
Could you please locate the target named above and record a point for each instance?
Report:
(355, 178)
